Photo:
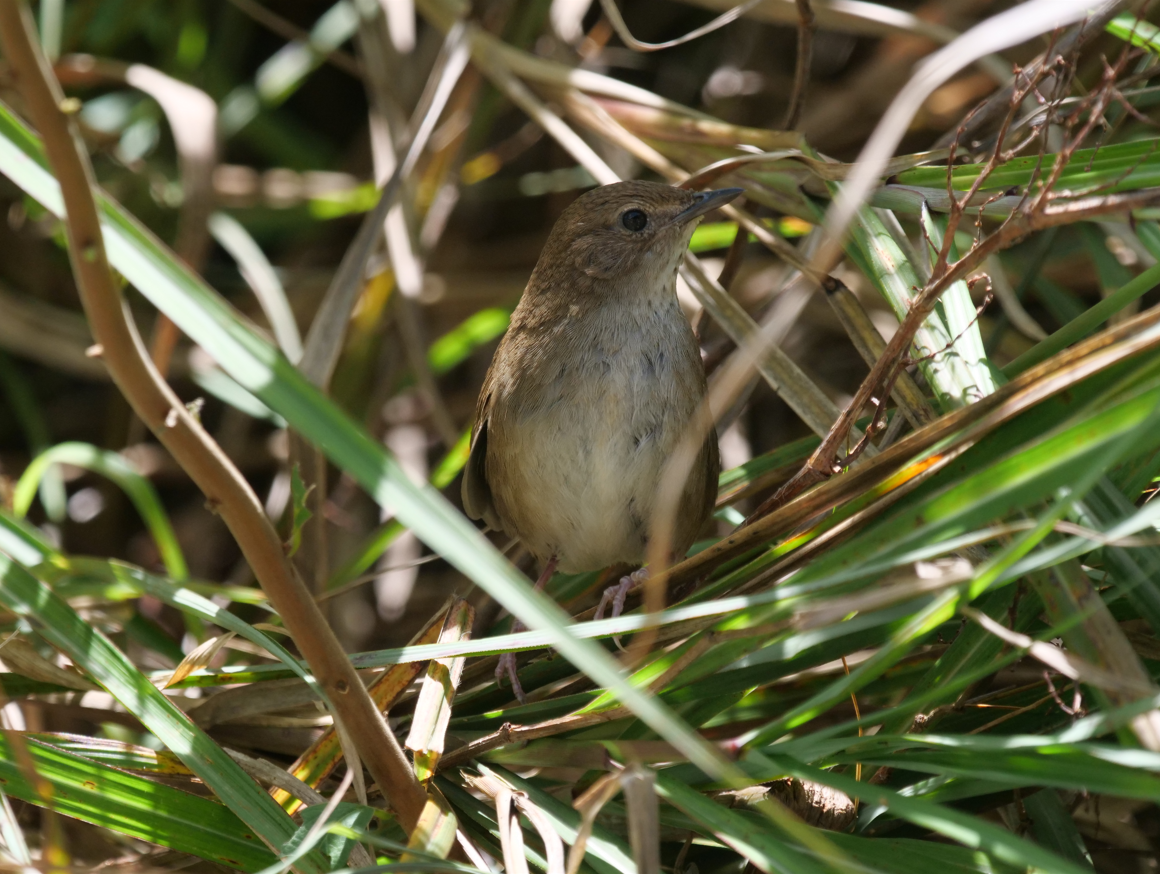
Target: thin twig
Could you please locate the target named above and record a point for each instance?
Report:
(805, 56)
(226, 491)
(733, 258)
(1074, 39)
(617, 20)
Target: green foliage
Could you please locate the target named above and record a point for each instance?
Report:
(830, 689)
(300, 513)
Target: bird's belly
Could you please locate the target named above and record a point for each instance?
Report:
(587, 498)
(589, 470)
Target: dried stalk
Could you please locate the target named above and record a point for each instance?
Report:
(805, 56)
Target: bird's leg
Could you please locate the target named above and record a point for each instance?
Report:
(615, 595)
(507, 661)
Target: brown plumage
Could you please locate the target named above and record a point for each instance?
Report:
(594, 384)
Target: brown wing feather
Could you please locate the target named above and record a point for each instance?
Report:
(477, 500)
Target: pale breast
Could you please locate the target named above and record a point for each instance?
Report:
(575, 456)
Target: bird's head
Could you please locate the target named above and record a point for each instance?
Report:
(628, 232)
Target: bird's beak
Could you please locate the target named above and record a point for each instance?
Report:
(707, 201)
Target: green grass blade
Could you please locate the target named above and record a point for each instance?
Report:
(1053, 828)
(968, 830)
(58, 623)
(116, 468)
(1140, 33)
(134, 806)
(753, 840)
(1086, 323)
(181, 598)
(23, 541)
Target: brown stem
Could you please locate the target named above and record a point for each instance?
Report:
(733, 259)
(227, 493)
(805, 56)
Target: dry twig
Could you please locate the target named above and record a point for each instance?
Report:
(805, 56)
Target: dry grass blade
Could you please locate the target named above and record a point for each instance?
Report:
(805, 54)
(1060, 660)
(1101, 642)
(495, 65)
(640, 798)
(21, 657)
(324, 340)
(785, 377)
(325, 754)
(507, 815)
(602, 790)
(199, 657)
(613, 12)
(870, 345)
(435, 832)
(511, 836)
(851, 16)
(436, 695)
(267, 772)
(553, 845)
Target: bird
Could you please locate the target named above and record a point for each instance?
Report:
(592, 387)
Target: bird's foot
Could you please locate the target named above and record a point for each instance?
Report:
(507, 668)
(507, 661)
(615, 596)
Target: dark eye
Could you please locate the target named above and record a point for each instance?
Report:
(634, 220)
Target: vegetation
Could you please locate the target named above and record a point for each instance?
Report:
(922, 634)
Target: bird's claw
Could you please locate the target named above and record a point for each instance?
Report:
(507, 668)
(615, 596)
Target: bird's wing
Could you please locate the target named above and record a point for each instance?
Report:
(477, 500)
(711, 458)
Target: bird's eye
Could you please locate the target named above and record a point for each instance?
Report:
(634, 220)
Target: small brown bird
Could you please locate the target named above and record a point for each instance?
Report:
(593, 386)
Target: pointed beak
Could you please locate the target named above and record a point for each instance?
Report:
(707, 201)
